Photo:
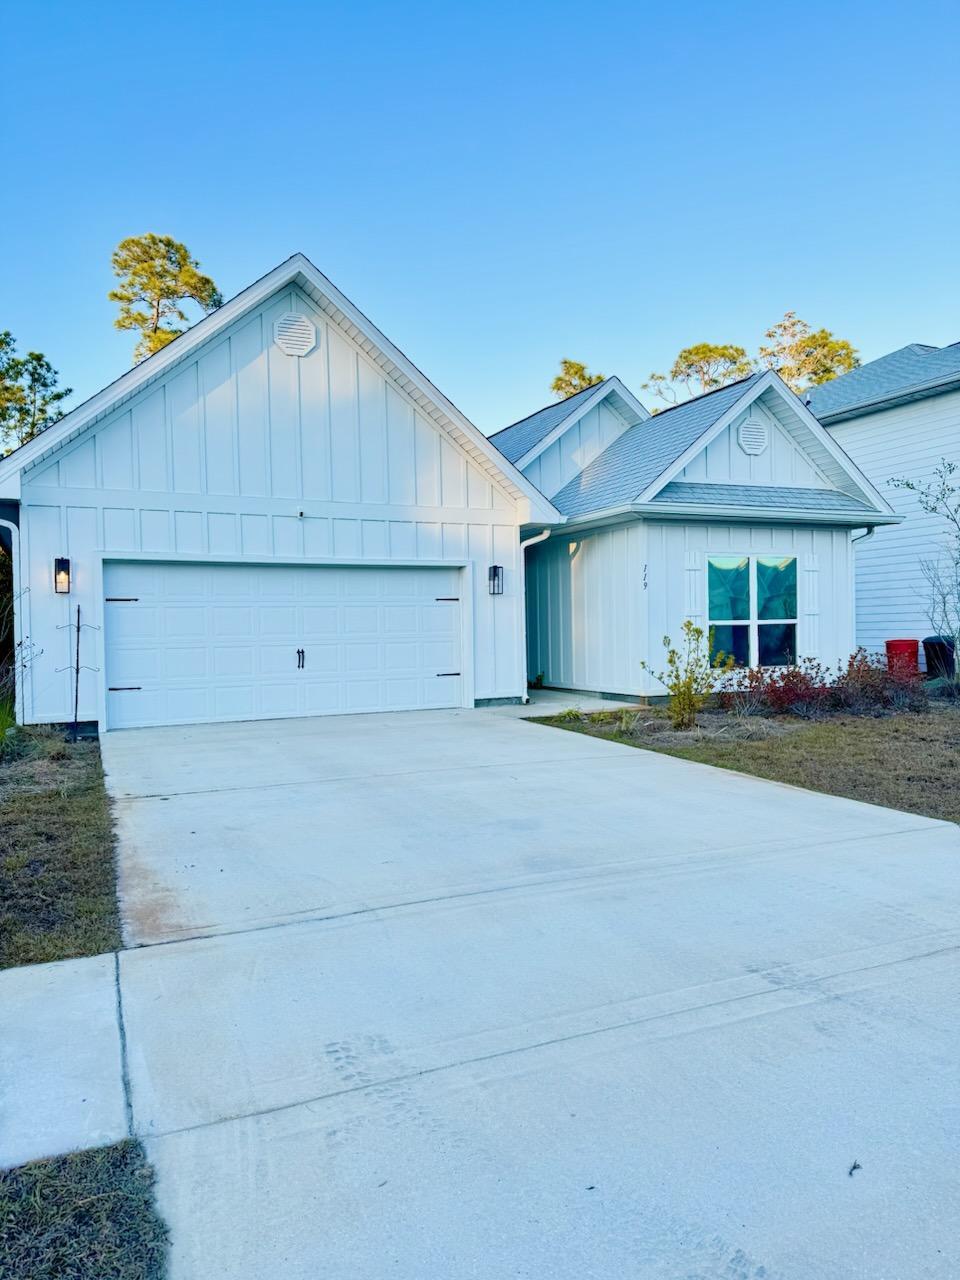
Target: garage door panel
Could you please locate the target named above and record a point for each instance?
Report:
(232, 621)
(184, 622)
(320, 620)
(277, 659)
(234, 661)
(323, 659)
(361, 620)
(402, 657)
(215, 642)
(400, 619)
(132, 625)
(184, 662)
(283, 699)
(276, 620)
(235, 702)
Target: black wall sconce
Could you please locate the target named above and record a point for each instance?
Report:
(495, 579)
(61, 576)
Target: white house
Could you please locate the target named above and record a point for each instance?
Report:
(896, 417)
(736, 509)
(276, 515)
(279, 515)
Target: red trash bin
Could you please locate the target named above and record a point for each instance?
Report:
(903, 655)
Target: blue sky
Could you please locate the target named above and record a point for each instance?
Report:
(496, 186)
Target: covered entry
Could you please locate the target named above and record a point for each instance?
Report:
(186, 643)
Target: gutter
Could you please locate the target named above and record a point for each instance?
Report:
(751, 515)
(918, 391)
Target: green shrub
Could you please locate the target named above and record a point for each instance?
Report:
(691, 676)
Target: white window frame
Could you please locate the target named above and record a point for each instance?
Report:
(754, 622)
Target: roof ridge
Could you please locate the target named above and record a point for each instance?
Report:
(712, 392)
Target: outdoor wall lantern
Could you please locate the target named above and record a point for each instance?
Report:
(495, 579)
(61, 576)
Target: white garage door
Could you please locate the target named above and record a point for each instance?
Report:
(187, 643)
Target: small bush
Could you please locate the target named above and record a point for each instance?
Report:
(801, 690)
(868, 686)
(691, 677)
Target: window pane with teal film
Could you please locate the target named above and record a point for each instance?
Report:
(731, 642)
(728, 586)
(776, 587)
(777, 643)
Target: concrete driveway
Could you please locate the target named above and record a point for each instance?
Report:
(450, 994)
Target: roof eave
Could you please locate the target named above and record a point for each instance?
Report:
(717, 511)
(908, 396)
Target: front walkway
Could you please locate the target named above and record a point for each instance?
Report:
(451, 994)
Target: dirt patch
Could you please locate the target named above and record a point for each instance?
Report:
(908, 761)
(57, 869)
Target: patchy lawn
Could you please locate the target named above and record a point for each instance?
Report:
(57, 877)
(87, 1216)
(908, 761)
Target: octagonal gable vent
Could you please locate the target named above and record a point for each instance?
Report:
(753, 436)
(294, 334)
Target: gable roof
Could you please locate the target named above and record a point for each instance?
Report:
(640, 465)
(912, 373)
(636, 459)
(299, 271)
(521, 439)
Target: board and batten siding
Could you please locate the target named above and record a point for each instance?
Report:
(575, 449)
(244, 452)
(782, 462)
(600, 605)
(586, 609)
(908, 441)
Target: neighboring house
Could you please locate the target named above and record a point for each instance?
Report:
(735, 509)
(896, 417)
(276, 515)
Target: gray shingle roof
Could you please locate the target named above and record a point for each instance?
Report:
(520, 437)
(635, 459)
(913, 369)
(762, 497)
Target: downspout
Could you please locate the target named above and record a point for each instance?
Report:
(524, 543)
(871, 529)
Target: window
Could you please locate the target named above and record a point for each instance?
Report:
(752, 609)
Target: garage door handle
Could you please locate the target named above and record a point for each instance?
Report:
(447, 673)
(301, 659)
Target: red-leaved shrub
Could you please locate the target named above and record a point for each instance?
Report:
(864, 686)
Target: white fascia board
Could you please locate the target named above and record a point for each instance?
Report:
(296, 270)
(836, 451)
(578, 411)
(774, 515)
(703, 511)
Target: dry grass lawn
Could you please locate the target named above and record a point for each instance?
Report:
(86, 1216)
(57, 876)
(908, 761)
